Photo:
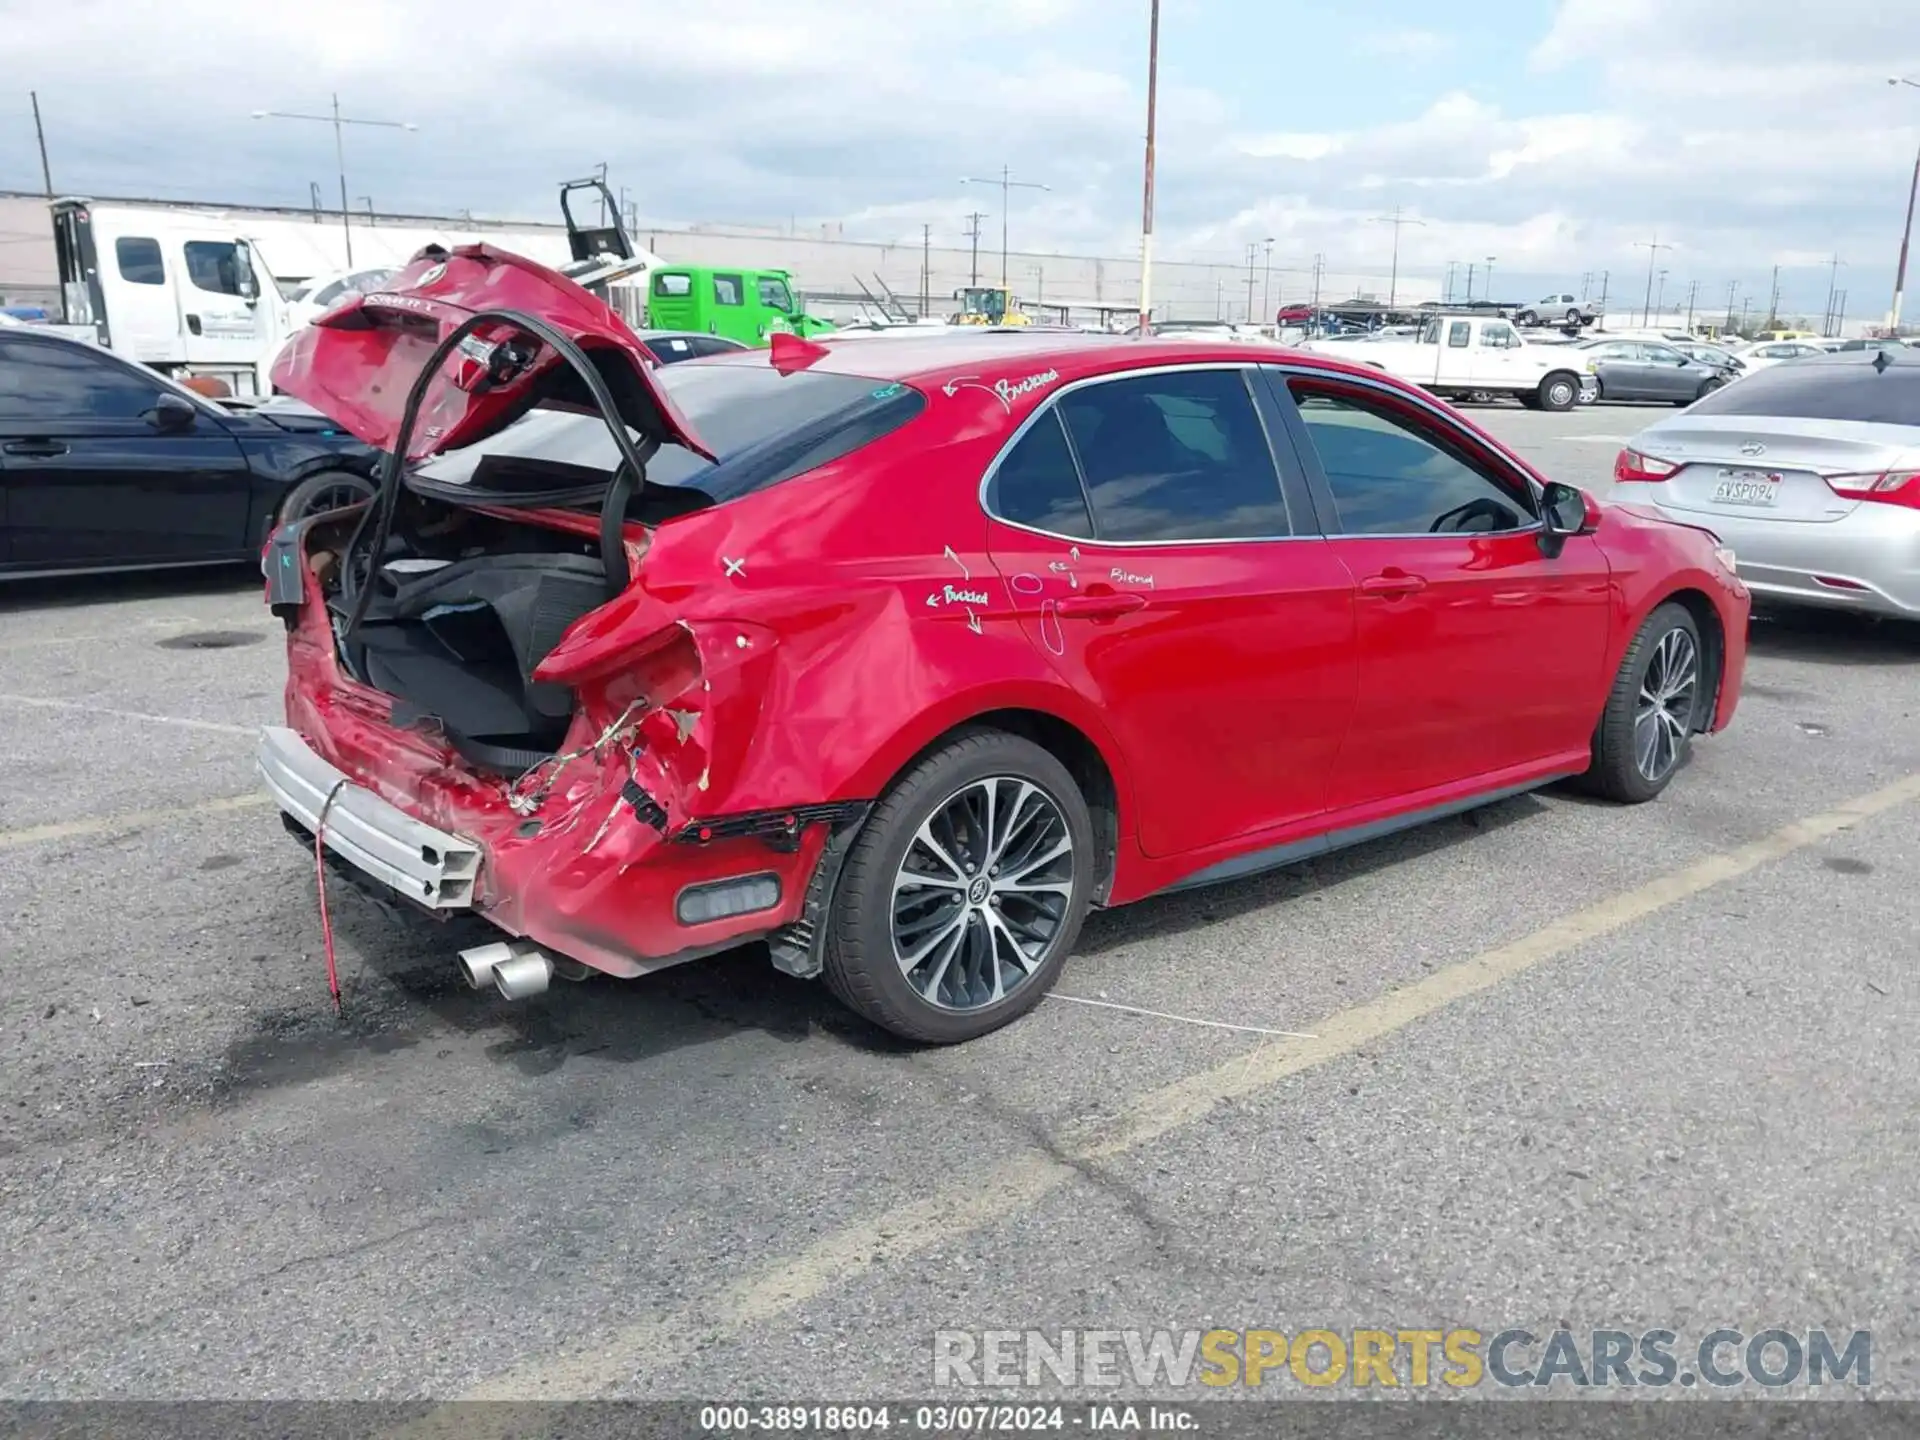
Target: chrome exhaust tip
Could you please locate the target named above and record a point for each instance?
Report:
(477, 965)
(524, 974)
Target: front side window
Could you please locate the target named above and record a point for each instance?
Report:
(139, 260)
(1176, 456)
(215, 266)
(726, 290)
(774, 294)
(1393, 473)
(41, 381)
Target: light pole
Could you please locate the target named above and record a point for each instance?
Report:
(338, 121)
(1146, 198)
(1653, 248)
(1660, 299)
(1489, 279)
(1266, 284)
(1396, 219)
(1006, 182)
(1906, 232)
(1253, 254)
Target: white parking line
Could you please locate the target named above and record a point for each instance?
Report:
(84, 707)
(1182, 1019)
(1597, 439)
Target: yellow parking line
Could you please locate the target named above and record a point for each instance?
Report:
(593, 1366)
(131, 820)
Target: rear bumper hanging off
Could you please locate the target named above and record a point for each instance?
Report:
(428, 866)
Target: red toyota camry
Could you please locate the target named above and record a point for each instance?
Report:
(900, 655)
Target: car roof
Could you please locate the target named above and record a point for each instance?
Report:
(936, 358)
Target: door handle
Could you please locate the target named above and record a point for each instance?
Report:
(1391, 584)
(1110, 606)
(37, 449)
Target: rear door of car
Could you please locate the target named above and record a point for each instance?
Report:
(90, 480)
(1480, 654)
(1165, 561)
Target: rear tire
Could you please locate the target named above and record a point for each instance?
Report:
(1646, 730)
(323, 491)
(1558, 391)
(946, 869)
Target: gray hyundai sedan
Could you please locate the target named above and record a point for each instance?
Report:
(1808, 472)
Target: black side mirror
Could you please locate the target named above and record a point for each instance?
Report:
(170, 414)
(1564, 512)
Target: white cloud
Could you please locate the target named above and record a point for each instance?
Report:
(1410, 45)
(1748, 132)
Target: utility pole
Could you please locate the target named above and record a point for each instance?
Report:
(926, 269)
(1733, 289)
(1469, 282)
(1006, 182)
(338, 121)
(1253, 254)
(1653, 248)
(1319, 269)
(973, 234)
(1605, 277)
(1489, 279)
(40, 134)
(1146, 198)
(1586, 283)
(1396, 219)
(1693, 289)
(1446, 285)
(1773, 304)
(1906, 233)
(1266, 285)
(1660, 300)
(1828, 325)
(313, 196)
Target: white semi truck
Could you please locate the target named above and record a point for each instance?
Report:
(200, 291)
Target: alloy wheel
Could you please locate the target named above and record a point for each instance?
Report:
(983, 893)
(331, 497)
(1664, 717)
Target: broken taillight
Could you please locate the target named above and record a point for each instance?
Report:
(1891, 487)
(1631, 465)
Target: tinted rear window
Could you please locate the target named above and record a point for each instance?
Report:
(765, 427)
(1810, 390)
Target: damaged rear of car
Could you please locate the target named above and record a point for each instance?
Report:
(529, 679)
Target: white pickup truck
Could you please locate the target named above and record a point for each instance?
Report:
(1458, 356)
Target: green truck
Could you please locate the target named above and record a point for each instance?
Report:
(750, 306)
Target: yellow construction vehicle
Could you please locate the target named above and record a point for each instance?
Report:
(988, 305)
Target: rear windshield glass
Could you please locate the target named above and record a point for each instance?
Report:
(1811, 390)
(765, 427)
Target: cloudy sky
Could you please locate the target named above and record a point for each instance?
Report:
(1553, 134)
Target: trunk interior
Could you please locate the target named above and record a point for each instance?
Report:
(464, 606)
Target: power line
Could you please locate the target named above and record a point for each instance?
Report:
(1006, 182)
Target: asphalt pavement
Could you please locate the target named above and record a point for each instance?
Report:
(1550, 1063)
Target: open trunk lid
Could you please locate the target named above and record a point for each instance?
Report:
(358, 363)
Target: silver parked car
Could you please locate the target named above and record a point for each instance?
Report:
(1809, 472)
(1650, 370)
